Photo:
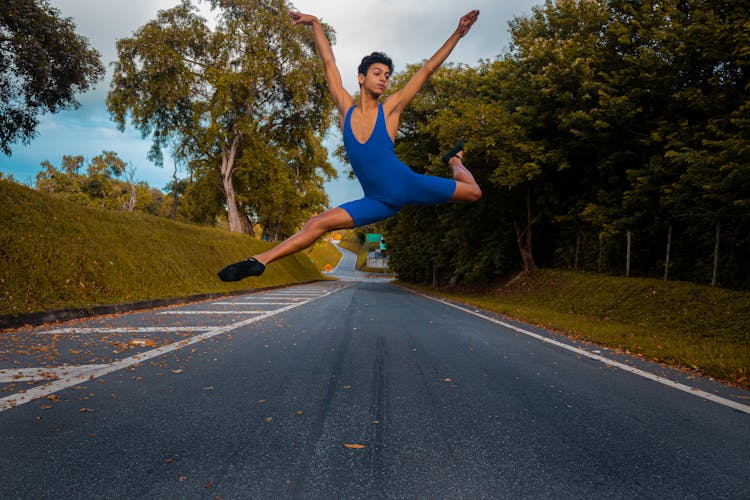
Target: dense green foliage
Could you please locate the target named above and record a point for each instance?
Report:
(57, 254)
(43, 64)
(242, 104)
(605, 119)
(100, 186)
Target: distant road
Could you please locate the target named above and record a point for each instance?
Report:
(351, 389)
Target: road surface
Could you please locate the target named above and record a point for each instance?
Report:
(352, 389)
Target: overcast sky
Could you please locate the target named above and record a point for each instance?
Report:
(407, 30)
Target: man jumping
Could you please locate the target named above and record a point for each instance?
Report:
(369, 130)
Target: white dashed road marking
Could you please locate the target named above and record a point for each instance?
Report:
(72, 376)
(51, 373)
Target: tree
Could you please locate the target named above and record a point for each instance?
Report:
(231, 98)
(98, 187)
(43, 64)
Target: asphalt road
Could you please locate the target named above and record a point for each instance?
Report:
(352, 389)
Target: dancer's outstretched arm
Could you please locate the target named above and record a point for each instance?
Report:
(397, 102)
(341, 97)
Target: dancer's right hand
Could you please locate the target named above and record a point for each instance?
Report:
(300, 18)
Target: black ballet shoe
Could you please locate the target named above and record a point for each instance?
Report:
(242, 269)
(453, 152)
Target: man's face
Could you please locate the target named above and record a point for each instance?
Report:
(376, 80)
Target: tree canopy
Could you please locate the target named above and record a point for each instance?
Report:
(239, 100)
(43, 64)
(616, 129)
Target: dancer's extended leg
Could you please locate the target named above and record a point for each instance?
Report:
(335, 218)
(330, 220)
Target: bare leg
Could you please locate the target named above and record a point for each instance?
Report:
(335, 218)
(467, 188)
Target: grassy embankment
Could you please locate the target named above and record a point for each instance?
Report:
(323, 253)
(55, 254)
(695, 327)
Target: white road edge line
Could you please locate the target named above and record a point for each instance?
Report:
(14, 400)
(648, 375)
(127, 329)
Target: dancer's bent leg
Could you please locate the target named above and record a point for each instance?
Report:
(317, 226)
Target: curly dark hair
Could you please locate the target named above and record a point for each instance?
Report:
(375, 57)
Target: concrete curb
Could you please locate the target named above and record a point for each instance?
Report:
(11, 321)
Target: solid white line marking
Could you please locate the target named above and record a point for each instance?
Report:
(213, 312)
(44, 373)
(128, 329)
(13, 400)
(648, 375)
(253, 303)
(287, 294)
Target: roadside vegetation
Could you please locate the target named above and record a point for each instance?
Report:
(57, 254)
(694, 327)
(323, 254)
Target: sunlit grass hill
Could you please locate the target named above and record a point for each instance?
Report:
(56, 254)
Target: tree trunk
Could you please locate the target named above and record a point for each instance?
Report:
(599, 260)
(715, 277)
(627, 253)
(173, 213)
(523, 237)
(578, 248)
(237, 223)
(669, 251)
(277, 228)
(130, 205)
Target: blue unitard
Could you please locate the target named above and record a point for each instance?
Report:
(387, 182)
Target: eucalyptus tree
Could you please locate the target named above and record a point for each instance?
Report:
(247, 93)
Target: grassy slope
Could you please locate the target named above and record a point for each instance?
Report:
(323, 253)
(55, 254)
(692, 326)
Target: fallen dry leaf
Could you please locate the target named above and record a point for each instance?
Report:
(354, 446)
(176, 371)
(85, 410)
(142, 342)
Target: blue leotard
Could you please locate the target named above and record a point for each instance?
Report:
(387, 182)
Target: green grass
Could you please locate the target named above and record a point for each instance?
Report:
(694, 327)
(323, 253)
(55, 254)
